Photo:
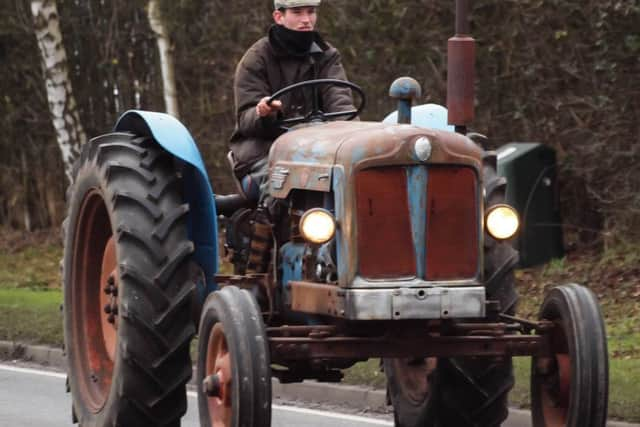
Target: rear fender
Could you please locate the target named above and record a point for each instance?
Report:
(174, 137)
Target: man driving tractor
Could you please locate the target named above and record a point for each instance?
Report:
(291, 52)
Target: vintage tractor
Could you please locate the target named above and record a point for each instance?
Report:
(381, 240)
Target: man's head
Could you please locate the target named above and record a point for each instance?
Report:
(297, 15)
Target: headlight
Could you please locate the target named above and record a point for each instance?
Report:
(502, 222)
(422, 148)
(317, 226)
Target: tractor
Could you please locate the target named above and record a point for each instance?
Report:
(385, 240)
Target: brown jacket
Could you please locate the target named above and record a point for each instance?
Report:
(264, 70)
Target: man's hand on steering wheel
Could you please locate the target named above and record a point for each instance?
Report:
(264, 109)
(316, 113)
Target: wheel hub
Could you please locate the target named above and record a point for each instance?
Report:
(217, 385)
(109, 298)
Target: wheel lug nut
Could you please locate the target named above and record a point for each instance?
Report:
(114, 310)
(111, 318)
(111, 280)
(107, 309)
(211, 386)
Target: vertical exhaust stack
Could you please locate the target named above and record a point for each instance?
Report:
(461, 52)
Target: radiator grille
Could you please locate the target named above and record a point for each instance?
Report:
(386, 248)
(452, 224)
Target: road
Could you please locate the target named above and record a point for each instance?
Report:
(36, 397)
(33, 397)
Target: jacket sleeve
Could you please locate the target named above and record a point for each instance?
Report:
(335, 98)
(250, 86)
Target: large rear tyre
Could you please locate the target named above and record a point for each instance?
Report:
(461, 392)
(571, 387)
(233, 373)
(127, 293)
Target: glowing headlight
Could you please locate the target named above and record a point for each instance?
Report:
(502, 222)
(317, 226)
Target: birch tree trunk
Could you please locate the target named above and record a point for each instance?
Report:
(62, 106)
(166, 58)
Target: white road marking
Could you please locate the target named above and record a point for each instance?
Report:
(316, 412)
(32, 371)
(193, 394)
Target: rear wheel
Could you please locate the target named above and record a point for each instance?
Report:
(461, 392)
(127, 311)
(570, 388)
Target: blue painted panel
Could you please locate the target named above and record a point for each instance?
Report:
(338, 185)
(292, 256)
(417, 190)
(174, 137)
(432, 116)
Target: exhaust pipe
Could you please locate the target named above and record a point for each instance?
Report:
(461, 54)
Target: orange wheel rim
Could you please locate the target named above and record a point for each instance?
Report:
(95, 337)
(555, 381)
(218, 362)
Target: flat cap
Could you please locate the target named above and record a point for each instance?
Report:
(286, 4)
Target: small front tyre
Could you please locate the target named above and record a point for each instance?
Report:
(570, 388)
(233, 373)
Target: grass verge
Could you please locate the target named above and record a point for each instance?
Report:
(31, 316)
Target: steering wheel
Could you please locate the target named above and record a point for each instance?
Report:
(316, 113)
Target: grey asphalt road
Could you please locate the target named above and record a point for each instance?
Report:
(33, 397)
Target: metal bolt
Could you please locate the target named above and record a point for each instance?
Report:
(111, 280)
(107, 309)
(111, 319)
(211, 386)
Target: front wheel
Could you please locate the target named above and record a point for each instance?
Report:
(127, 293)
(233, 372)
(570, 388)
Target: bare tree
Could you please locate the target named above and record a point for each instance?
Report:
(166, 58)
(62, 105)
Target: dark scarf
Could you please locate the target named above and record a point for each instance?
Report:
(291, 42)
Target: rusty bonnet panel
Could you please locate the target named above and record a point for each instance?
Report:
(304, 158)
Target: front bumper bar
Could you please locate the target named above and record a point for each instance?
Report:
(399, 303)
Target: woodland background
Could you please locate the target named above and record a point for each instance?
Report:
(562, 72)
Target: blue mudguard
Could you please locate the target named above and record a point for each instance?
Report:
(174, 137)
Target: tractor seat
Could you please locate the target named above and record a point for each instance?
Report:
(247, 197)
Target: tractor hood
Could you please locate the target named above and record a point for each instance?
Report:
(304, 158)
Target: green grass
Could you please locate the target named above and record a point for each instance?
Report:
(31, 316)
(31, 267)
